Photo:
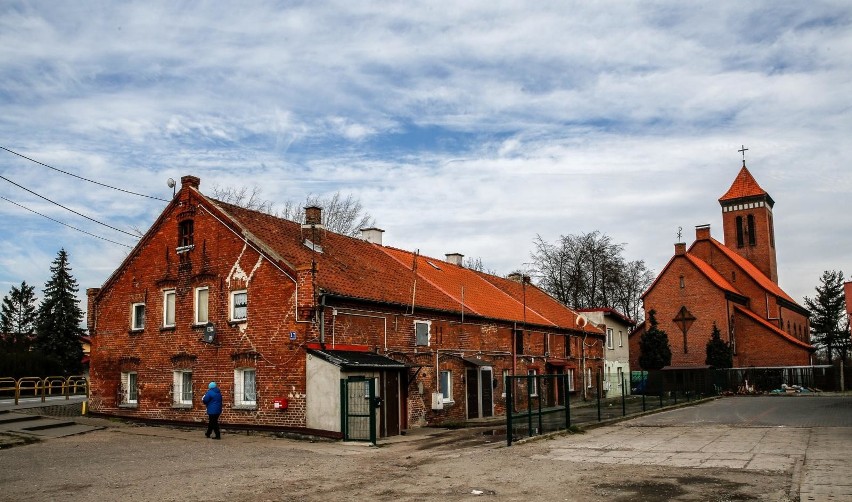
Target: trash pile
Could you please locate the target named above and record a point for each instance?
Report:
(793, 389)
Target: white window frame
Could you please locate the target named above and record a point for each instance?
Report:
(233, 305)
(169, 294)
(619, 373)
(609, 344)
(240, 400)
(197, 302)
(570, 373)
(180, 397)
(588, 378)
(620, 338)
(534, 382)
(129, 388)
(137, 324)
(428, 333)
(446, 393)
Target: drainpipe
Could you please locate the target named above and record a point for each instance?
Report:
(322, 320)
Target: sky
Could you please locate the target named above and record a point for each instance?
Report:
(468, 127)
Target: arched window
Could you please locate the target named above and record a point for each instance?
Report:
(739, 231)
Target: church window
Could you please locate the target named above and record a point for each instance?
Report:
(739, 231)
(751, 233)
(682, 283)
(733, 276)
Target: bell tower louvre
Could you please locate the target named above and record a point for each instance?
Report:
(747, 223)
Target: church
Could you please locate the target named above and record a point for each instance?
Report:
(732, 284)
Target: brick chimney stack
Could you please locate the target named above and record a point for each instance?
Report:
(190, 181)
(680, 248)
(455, 259)
(702, 232)
(313, 215)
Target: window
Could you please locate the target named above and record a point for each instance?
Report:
(620, 338)
(185, 233)
(567, 346)
(129, 389)
(447, 386)
(421, 333)
(201, 297)
(533, 382)
(137, 314)
(182, 387)
(589, 377)
(751, 232)
(609, 338)
(169, 308)
(739, 231)
(519, 342)
(620, 374)
(682, 282)
(245, 387)
(239, 305)
(570, 377)
(505, 381)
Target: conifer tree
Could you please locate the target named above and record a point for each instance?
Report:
(719, 352)
(654, 348)
(827, 313)
(58, 328)
(18, 318)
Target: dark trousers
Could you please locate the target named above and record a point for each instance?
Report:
(213, 425)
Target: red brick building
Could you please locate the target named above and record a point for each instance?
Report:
(285, 316)
(732, 284)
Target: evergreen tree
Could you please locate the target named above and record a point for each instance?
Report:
(58, 328)
(18, 318)
(719, 353)
(654, 349)
(827, 314)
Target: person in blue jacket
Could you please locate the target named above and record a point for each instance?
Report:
(213, 400)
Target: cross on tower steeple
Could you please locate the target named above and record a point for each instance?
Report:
(743, 151)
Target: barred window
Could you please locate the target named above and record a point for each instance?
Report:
(182, 387)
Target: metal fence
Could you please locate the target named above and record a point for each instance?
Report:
(77, 385)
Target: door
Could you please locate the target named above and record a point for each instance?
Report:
(390, 425)
(473, 393)
(487, 392)
(358, 416)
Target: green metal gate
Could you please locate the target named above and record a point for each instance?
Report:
(358, 402)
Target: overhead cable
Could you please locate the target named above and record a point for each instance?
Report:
(63, 223)
(69, 209)
(82, 178)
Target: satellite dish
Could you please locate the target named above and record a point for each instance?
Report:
(581, 321)
(171, 183)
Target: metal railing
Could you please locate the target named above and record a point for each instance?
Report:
(76, 385)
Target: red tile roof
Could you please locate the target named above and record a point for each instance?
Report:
(752, 271)
(354, 268)
(711, 273)
(771, 327)
(744, 186)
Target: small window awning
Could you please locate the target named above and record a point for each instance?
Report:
(475, 361)
(350, 360)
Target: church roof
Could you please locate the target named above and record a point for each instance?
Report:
(771, 327)
(753, 272)
(702, 266)
(743, 186)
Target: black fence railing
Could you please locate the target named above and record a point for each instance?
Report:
(541, 404)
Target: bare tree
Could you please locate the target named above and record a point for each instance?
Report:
(589, 271)
(343, 215)
(477, 265)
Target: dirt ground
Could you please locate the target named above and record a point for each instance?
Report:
(141, 463)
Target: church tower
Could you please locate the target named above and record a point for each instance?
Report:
(747, 223)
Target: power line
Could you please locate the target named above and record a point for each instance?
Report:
(69, 209)
(62, 223)
(82, 178)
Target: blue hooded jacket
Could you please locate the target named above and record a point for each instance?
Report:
(213, 399)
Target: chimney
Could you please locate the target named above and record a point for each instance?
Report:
(372, 235)
(455, 258)
(518, 277)
(702, 232)
(313, 215)
(190, 181)
(680, 249)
